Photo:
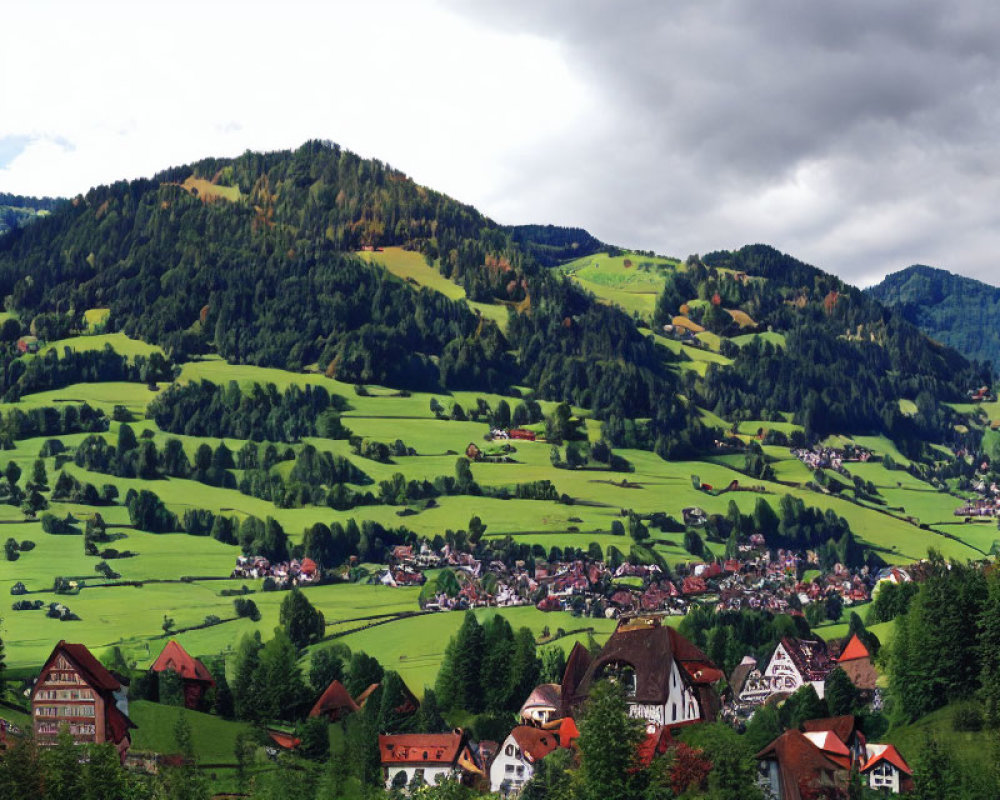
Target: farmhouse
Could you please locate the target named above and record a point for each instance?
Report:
(28, 344)
(335, 703)
(521, 433)
(427, 757)
(76, 690)
(515, 762)
(668, 681)
(197, 679)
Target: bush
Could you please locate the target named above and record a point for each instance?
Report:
(246, 608)
(27, 545)
(967, 718)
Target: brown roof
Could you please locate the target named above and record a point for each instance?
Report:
(176, 658)
(545, 695)
(534, 742)
(739, 676)
(92, 670)
(843, 726)
(809, 657)
(647, 646)
(576, 670)
(801, 763)
(421, 748)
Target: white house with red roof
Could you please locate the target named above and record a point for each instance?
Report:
(426, 758)
(515, 762)
(887, 770)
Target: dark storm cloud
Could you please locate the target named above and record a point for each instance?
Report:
(859, 136)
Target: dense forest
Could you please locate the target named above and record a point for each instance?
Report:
(960, 312)
(253, 258)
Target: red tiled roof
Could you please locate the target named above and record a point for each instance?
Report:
(335, 702)
(800, 762)
(94, 671)
(534, 743)
(174, 657)
(890, 754)
(308, 566)
(855, 649)
(420, 748)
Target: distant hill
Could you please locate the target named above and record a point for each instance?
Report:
(957, 311)
(17, 210)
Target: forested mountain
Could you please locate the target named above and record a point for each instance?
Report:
(17, 210)
(961, 312)
(254, 258)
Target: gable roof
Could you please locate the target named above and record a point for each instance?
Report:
(576, 670)
(92, 670)
(174, 657)
(809, 657)
(855, 649)
(738, 678)
(843, 727)
(646, 645)
(800, 762)
(334, 701)
(828, 742)
(534, 742)
(545, 695)
(886, 752)
(421, 748)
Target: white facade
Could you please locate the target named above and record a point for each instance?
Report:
(780, 675)
(510, 769)
(884, 776)
(402, 775)
(681, 704)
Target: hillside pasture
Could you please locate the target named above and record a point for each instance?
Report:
(119, 342)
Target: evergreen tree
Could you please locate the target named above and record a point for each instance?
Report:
(183, 781)
(63, 772)
(467, 664)
(278, 680)
(394, 696)
(300, 620)
(362, 672)
(525, 668)
(608, 743)
(247, 661)
(39, 477)
(325, 667)
(428, 718)
(495, 671)
(840, 694)
(934, 773)
(553, 665)
(989, 651)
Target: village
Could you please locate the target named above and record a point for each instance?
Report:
(668, 682)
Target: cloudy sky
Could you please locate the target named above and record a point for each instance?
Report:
(861, 137)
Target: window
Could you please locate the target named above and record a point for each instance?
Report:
(509, 750)
(673, 712)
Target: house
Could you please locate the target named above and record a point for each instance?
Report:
(886, 770)
(845, 728)
(427, 757)
(856, 661)
(794, 663)
(524, 435)
(76, 690)
(472, 452)
(668, 681)
(197, 679)
(28, 344)
(542, 705)
(515, 762)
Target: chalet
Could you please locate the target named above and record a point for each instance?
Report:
(794, 663)
(515, 762)
(797, 765)
(427, 757)
(197, 679)
(524, 435)
(819, 760)
(886, 770)
(856, 661)
(668, 681)
(28, 344)
(76, 690)
(542, 705)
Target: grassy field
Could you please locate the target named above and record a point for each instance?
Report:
(777, 339)
(413, 268)
(631, 281)
(970, 749)
(119, 342)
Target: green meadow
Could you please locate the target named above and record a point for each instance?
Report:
(184, 576)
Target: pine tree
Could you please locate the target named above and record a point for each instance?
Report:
(839, 693)
(300, 620)
(608, 742)
(428, 718)
(247, 661)
(989, 651)
(325, 667)
(277, 681)
(495, 671)
(467, 664)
